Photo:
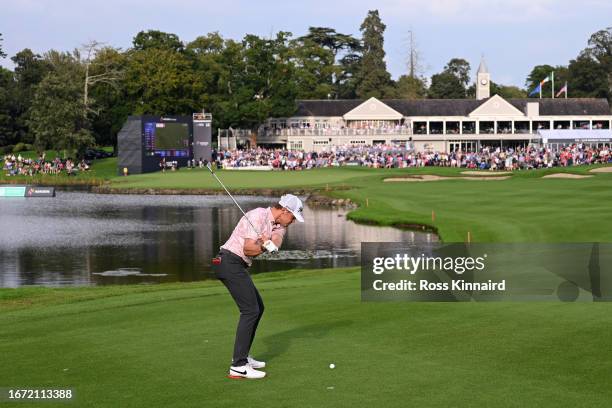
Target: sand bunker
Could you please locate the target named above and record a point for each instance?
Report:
(566, 176)
(485, 173)
(602, 170)
(430, 177)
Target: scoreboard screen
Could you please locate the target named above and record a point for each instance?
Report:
(167, 139)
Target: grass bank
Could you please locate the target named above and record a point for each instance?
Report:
(101, 171)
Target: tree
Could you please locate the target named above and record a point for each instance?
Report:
(7, 133)
(108, 103)
(6, 103)
(446, 85)
(30, 69)
(414, 57)
(57, 116)
(452, 81)
(588, 78)
(214, 59)
(409, 87)
(507, 91)
(600, 48)
(145, 40)
(336, 43)
(459, 68)
(373, 77)
(328, 38)
(97, 71)
(347, 82)
(265, 87)
(2, 54)
(314, 69)
(158, 88)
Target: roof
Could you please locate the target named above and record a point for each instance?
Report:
(569, 106)
(453, 107)
(482, 68)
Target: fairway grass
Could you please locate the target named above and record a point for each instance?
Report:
(171, 344)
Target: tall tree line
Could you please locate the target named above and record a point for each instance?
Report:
(71, 100)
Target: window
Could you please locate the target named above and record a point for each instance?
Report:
(436, 128)
(452, 128)
(581, 124)
(504, 127)
(521, 126)
(541, 124)
(486, 127)
(419, 128)
(469, 128)
(561, 124)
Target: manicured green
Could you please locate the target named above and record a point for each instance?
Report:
(170, 345)
(524, 208)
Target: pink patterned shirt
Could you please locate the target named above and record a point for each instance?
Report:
(263, 221)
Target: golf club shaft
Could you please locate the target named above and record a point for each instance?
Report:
(233, 199)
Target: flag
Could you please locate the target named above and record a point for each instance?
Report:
(563, 90)
(545, 80)
(552, 88)
(537, 90)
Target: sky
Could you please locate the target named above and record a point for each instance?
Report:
(513, 35)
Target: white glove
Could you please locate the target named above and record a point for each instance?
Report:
(270, 246)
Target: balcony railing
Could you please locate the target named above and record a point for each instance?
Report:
(334, 132)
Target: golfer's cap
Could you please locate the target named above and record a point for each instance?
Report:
(293, 204)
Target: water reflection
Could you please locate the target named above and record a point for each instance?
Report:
(84, 239)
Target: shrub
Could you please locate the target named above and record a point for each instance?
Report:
(19, 147)
(6, 149)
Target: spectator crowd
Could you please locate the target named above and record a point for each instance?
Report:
(378, 156)
(395, 156)
(21, 166)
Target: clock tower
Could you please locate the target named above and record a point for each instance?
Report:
(483, 81)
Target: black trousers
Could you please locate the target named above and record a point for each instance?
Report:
(232, 271)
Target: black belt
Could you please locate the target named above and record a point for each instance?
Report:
(230, 254)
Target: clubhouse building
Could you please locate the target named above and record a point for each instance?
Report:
(442, 124)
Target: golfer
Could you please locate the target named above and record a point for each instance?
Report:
(231, 267)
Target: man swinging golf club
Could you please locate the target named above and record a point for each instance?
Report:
(260, 230)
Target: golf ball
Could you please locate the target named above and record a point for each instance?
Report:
(332, 366)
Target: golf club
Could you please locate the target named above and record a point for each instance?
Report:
(233, 199)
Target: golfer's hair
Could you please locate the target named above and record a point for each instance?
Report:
(278, 206)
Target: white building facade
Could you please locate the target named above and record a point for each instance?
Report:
(433, 124)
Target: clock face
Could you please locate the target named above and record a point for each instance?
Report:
(483, 81)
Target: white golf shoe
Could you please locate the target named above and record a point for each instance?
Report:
(245, 371)
(254, 363)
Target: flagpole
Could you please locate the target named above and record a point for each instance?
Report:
(540, 90)
(552, 78)
(565, 89)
